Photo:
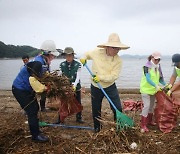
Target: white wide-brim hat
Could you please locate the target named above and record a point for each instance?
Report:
(49, 47)
(114, 41)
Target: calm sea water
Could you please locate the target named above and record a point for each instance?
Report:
(129, 77)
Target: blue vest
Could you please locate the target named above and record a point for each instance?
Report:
(45, 66)
(22, 80)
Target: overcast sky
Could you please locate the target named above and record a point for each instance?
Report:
(144, 25)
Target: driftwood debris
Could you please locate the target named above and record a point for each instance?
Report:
(59, 84)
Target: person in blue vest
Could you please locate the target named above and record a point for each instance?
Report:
(172, 86)
(72, 69)
(24, 87)
(152, 76)
(49, 52)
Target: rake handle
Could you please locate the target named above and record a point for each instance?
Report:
(99, 85)
(69, 126)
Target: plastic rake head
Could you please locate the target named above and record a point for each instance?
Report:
(123, 121)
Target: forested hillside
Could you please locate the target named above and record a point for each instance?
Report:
(12, 51)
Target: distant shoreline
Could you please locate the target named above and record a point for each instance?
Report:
(20, 58)
(122, 56)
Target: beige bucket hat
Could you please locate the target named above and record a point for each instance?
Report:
(69, 50)
(114, 41)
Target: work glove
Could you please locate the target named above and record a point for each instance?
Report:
(169, 93)
(158, 88)
(167, 87)
(83, 61)
(74, 88)
(95, 79)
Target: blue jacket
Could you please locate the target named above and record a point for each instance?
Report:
(45, 66)
(22, 80)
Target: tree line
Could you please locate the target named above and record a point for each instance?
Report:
(12, 51)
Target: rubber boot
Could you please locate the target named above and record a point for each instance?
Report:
(40, 138)
(150, 119)
(143, 125)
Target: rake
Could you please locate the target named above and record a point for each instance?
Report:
(44, 124)
(122, 121)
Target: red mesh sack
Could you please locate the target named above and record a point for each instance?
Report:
(131, 105)
(166, 112)
(69, 108)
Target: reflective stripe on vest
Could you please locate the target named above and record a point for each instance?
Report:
(147, 88)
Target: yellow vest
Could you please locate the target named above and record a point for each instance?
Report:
(177, 71)
(147, 88)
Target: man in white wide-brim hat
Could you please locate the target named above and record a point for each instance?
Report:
(106, 66)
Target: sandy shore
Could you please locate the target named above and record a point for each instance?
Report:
(15, 136)
(7, 99)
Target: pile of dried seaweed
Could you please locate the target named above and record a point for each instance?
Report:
(61, 92)
(59, 84)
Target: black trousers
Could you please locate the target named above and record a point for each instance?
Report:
(96, 100)
(43, 101)
(28, 102)
(78, 97)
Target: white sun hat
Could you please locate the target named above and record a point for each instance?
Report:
(49, 47)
